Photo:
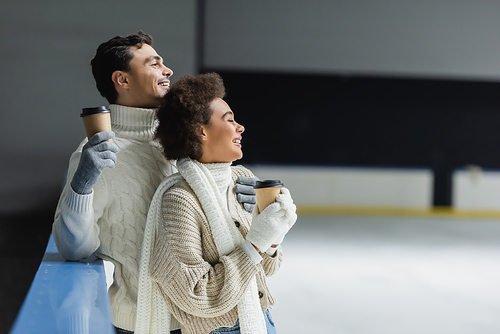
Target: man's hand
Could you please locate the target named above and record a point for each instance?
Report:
(245, 192)
(97, 154)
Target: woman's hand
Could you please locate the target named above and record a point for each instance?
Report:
(273, 223)
(291, 209)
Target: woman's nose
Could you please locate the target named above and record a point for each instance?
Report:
(240, 128)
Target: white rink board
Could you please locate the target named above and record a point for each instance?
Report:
(476, 189)
(340, 186)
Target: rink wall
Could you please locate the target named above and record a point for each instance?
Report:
(66, 297)
(329, 189)
(400, 191)
(476, 189)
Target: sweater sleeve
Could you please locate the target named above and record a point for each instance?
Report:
(180, 266)
(74, 229)
(272, 263)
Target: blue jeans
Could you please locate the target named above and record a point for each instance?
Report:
(271, 329)
(123, 331)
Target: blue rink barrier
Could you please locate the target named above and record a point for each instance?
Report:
(66, 298)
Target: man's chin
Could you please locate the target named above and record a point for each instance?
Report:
(164, 91)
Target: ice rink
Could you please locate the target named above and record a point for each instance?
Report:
(384, 275)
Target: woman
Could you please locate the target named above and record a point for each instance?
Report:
(208, 258)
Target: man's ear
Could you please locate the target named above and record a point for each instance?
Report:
(120, 79)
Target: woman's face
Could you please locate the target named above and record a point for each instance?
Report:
(221, 140)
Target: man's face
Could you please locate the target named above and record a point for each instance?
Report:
(148, 78)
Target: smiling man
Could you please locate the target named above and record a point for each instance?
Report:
(104, 204)
(146, 81)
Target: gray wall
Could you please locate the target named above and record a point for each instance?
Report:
(417, 38)
(46, 80)
(47, 46)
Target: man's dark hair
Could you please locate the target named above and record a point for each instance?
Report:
(115, 55)
(183, 110)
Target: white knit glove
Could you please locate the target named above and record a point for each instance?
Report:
(290, 213)
(273, 223)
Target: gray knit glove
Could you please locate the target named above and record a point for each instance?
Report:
(245, 191)
(97, 154)
(273, 223)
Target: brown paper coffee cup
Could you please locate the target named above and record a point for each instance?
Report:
(96, 120)
(266, 192)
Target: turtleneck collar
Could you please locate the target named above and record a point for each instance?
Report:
(221, 172)
(133, 123)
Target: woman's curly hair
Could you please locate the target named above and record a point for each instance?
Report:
(183, 110)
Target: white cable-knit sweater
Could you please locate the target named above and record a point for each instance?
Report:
(110, 221)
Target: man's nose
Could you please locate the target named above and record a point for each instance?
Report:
(167, 71)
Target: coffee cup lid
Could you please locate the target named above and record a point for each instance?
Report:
(94, 110)
(268, 184)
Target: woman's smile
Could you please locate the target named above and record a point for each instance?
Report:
(221, 139)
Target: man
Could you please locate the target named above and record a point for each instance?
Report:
(103, 211)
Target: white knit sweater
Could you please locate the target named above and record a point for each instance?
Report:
(110, 221)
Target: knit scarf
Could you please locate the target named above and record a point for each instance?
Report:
(152, 312)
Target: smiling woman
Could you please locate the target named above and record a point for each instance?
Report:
(221, 138)
(204, 258)
(186, 114)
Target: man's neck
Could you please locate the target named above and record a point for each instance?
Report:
(135, 104)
